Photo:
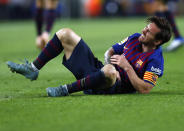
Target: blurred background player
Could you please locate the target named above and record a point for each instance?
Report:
(44, 16)
(161, 9)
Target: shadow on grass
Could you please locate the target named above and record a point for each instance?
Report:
(167, 93)
(75, 95)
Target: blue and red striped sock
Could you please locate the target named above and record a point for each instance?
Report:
(39, 20)
(93, 81)
(159, 14)
(52, 49)
(169, 16)
(50, 16)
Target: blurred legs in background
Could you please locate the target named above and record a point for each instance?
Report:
(44, 18)
(161, 9)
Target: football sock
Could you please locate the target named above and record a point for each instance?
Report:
(50, 18)
(169, 16)
(39, 20)
(92, 81)
(159, 14)
(50, 51)
(34, 67)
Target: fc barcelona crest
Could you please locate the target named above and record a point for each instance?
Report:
(139, 63)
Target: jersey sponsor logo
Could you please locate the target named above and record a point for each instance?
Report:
(123, 41)
(139, 63)
(156, 70)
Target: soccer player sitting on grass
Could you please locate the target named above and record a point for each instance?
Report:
(132, 65)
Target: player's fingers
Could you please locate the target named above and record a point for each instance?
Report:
(114, 56)
(113, 60)
(114, 63)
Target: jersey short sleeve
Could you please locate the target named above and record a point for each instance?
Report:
(119, 47)
(155, 67)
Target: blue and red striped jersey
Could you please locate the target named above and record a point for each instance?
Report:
(147, 65)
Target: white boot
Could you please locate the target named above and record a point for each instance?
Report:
(175, 44)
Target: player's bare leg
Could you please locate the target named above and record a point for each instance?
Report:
(69, 40)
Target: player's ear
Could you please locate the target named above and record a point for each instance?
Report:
(158, 42)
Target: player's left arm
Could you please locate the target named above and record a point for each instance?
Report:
(139, 84)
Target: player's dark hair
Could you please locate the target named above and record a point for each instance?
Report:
(165, 34)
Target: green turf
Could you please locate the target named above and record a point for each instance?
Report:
(24, 105)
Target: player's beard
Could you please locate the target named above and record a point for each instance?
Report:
(150, 45)
(146, 43)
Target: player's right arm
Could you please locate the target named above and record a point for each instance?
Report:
(107, 55)
(115, 49)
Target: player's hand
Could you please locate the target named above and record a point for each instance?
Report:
(120, 60)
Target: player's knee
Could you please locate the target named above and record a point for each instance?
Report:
(110, 73)
(68, 37)
(64, 35)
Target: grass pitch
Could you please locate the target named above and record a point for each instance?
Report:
(24, 105)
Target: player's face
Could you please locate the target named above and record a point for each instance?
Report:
(148, 35)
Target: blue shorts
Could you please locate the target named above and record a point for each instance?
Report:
(82, 63)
